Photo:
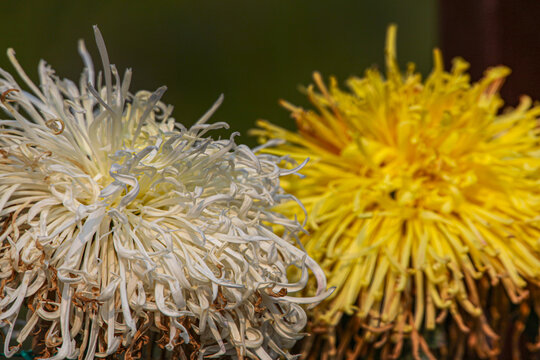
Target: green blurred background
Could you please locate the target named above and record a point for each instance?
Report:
(254, 52)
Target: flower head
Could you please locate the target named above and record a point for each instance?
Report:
(421, 196)
(115, 221)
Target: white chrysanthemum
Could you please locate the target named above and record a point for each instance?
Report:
(116, 221)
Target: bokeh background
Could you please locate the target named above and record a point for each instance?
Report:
(254, 52)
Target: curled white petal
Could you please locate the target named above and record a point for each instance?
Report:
(115, 221)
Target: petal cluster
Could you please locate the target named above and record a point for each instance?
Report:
(423, 199)
(115, 221)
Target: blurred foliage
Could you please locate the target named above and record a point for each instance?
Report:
(255, 52)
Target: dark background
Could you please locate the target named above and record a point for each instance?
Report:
(494, 32)
(254, 51)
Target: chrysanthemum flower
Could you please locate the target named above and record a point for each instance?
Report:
(422, 199)
(115, 221)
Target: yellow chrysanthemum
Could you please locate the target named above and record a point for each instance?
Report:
(420, 196)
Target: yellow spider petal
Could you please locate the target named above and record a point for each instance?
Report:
(421, 195)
